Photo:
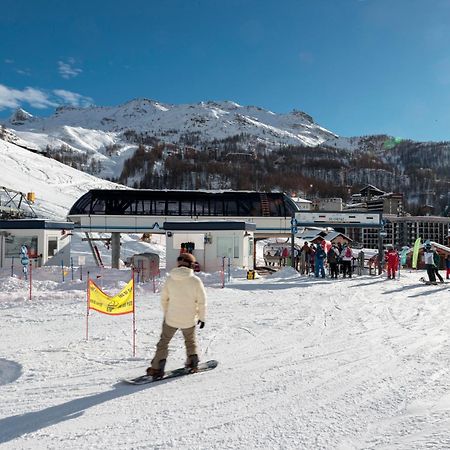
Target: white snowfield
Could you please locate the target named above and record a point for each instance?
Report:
(304, 363)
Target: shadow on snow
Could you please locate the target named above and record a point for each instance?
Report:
(21, 424)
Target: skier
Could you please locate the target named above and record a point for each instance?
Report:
(429, 262)
(284, 255)
(183, 300)
(332, 258)
(304, 259)
(347, 256)
(447, 266)
(319, 261)
(437, 263)
(392, 263)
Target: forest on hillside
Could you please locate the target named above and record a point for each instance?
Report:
(418, 170)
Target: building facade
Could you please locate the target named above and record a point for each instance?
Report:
(404, 230)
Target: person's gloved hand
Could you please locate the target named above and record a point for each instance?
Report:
(202, 324)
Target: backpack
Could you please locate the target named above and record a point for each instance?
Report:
(348, 252)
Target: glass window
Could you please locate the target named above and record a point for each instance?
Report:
(98, 206)
(225, 246)
(173, 208)
(231, 208)
(236, 246)
(202, 207)
(14, 243)
(160, 208)
(186, 208)
(52, 247)
(250, 247)
(276, 207)
(217, 207)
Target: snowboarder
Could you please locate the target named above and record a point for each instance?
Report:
(392, 263)
(183, 300)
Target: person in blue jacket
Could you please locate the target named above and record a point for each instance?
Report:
(319, 261)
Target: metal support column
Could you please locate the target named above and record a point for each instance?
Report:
(381, 235)
(115, 250)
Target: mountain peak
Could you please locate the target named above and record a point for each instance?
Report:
(20, 116)
(141, 103)
(302, 115)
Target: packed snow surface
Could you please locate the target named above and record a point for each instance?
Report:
(304, 363)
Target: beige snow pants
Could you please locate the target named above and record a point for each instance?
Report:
(162, 348)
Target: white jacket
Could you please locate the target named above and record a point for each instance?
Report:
(183, 298)
(429, 257)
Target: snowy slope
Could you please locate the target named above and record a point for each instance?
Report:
(359, 363)
(56, 185)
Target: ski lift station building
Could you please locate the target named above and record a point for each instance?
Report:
(47, 241)
(149, 211)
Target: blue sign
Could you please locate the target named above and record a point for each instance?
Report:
(294, 222)
(25, 260)
(294, 230)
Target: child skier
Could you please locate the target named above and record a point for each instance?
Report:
(392, 263)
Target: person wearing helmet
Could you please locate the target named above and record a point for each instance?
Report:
(428, 255)
(183, 300)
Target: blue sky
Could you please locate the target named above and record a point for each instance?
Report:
(357, 66)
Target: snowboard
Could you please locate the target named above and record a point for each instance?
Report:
(182, 371)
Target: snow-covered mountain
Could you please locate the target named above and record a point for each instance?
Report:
(101, 132)
(215, 120)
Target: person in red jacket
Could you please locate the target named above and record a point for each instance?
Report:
(392, 263)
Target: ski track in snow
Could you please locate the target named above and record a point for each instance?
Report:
(303, 364)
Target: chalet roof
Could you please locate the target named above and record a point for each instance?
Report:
(309, 235)
(334, 234)
(371, 190)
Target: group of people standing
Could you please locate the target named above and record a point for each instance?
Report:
(313, 258)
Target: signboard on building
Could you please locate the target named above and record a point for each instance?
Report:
(338, 219)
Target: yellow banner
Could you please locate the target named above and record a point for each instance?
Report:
(122, 303)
